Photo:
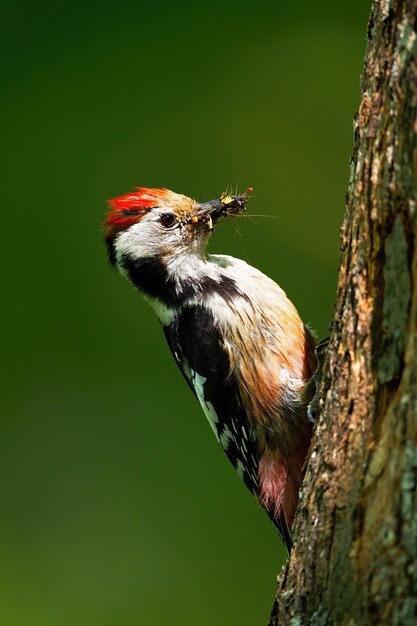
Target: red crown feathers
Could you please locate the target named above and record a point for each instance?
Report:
(130, 208)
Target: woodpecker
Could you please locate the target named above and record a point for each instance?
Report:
(236, 337)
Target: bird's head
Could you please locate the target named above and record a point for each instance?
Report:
(161, 224)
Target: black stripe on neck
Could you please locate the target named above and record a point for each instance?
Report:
(150, 275)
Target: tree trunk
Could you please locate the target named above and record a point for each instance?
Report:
(354, 561)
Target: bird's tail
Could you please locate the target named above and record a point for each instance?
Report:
(284, 531)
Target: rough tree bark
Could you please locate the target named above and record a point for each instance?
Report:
(354, 561)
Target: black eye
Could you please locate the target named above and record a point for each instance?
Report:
(167, 219)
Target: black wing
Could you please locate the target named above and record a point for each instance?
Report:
(200, 354)
(197, 347)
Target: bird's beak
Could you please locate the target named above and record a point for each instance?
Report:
(223, 206)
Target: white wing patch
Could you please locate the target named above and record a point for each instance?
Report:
(229, 440)
(226, 437)
(241, 469)
(197, 382)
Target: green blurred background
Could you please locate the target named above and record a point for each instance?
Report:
(118, 507)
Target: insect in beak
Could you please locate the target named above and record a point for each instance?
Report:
(223, 206)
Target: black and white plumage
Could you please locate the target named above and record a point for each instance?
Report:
(197, 348)
(235, 336)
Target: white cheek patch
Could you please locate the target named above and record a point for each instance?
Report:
(139, 241)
